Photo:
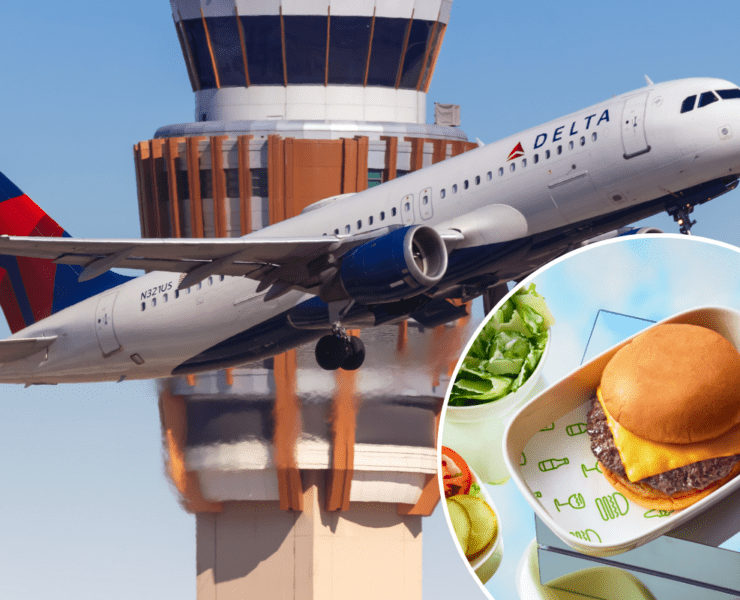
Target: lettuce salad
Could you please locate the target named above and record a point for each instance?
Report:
(506, 351)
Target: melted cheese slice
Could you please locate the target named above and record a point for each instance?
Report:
(644, 458)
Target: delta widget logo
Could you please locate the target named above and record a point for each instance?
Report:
(516, 152)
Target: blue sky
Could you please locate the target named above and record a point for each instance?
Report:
(85, 80)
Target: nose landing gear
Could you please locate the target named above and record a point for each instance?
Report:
(681, 216)
(340, 350)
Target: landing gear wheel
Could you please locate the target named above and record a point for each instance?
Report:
(357, 354)
(332, 351)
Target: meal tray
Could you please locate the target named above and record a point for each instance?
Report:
(547, 452)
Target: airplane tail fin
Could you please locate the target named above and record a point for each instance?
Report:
(32, 288)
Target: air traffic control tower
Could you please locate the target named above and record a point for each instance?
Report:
(305, 483)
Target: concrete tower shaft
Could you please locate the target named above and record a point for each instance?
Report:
(350, 60)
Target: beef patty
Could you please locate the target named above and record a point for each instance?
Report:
(695, 476)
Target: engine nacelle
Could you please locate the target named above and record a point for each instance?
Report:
(396, 266)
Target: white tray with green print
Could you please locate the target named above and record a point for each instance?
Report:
(547, 452)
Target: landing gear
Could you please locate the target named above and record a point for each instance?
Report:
(357, 354)
(680, 215)
(340, 350)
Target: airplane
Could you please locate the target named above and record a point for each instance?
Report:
(416, 246)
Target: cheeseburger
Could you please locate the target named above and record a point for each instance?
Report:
(665, 423)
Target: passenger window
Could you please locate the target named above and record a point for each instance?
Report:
(165, 297)
(369, 220)
(393, 211)
(154, 302)
(442, 193)
(490, 175)
(222, 276)
(336, 232)
(210, 281)
(359, 224)
(536, 158)
(560, 149)
(454, 188)
(425, 200)
(688, 104)
(512, 167)
(583, 141)
(570, 145)
(143, 306)
(547, 154)
(407, 206)
(707, 98)
(200, 284)
(500, 171)
(593, 136)
(382, 215)
(465, 184)
(346, 229)
(477, 180)
(524, 162)
(177, 294)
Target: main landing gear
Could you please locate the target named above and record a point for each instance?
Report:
(340, 350)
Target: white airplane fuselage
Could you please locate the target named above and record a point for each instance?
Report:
(615, 158)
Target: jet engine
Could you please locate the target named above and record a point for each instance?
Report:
(396, 266)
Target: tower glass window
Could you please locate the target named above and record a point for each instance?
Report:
(259, 183)
(206, 183)
(432, 52)
(385, 54)
(305, 48)
(232, 182)
(374, 177)
(419, 36)
(227, 50)
(349, 41)
(202, 64)
(262, 38)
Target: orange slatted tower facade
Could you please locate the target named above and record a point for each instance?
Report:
(303, 482)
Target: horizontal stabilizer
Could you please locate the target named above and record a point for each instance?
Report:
(20, 348)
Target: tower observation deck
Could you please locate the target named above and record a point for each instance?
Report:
(366, 60)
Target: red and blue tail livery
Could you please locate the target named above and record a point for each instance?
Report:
(32, 289)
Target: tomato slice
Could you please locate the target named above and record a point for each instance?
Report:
(455, 473)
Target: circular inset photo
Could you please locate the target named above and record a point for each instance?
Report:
(598, 405)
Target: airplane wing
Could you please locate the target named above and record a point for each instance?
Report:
(18, 349)
(302, 262)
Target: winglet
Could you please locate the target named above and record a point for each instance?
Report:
(648, 80)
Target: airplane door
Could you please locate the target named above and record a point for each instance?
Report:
(425, 204)
(407, 210)
(104, 325)
(633, 126)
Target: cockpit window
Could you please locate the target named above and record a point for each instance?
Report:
(707, 98)
(729, 94)
(688, 104)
